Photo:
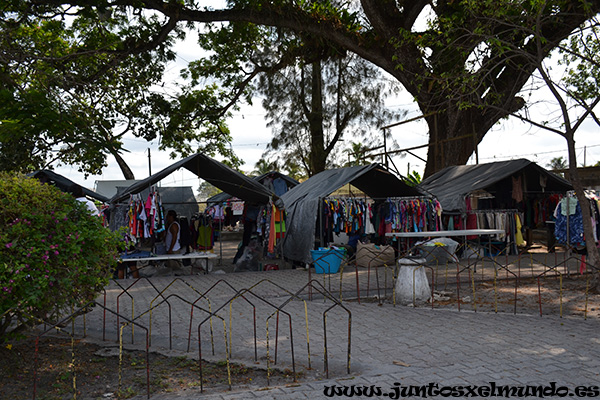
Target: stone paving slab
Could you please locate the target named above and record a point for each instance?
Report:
(412, 346)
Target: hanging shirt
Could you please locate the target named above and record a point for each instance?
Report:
(574, 224)
(517, 189)
(369, 228)
(569, 205)
(205, 237)
(143, 220)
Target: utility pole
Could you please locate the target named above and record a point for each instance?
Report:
(385, 149)
(149, 163)
(476, 145)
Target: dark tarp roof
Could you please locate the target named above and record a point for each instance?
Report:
(221, 197)
(218, 174)
(452, 184)
(302, 202)
(64, 183)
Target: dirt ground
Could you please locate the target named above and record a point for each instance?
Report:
(568, 296)
(95, 373)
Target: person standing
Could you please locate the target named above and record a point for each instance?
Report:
(77, 192)
(172, 239)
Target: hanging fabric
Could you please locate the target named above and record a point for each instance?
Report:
(145, 217)
(355, 216)
(276, 227)
(568, 228)
(202, 232)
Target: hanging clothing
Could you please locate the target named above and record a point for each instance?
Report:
(517, 189)
(471, 219)
(202, 231)
(369, 227)
(280, 186)
(357, 217)
(277, 227)
(569, 229)
(519, 235)
(204, 239)
(569, 205)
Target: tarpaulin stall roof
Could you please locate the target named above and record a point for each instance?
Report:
(302, 202)
(218, 174)
(452, 184)
(65, 184)
(221, 197)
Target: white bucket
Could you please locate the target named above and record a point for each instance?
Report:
(412, 282)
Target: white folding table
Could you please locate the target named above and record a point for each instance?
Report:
(166, 257)
(459, 232)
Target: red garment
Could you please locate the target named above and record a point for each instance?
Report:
(471, 219)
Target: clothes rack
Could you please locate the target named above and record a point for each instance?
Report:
(355, 215)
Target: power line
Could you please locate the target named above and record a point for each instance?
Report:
(538, 153)
(233, 144)
(249, 144)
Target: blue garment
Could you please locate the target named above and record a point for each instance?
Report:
(136, 254)
(575, 223)
(353, 240)
(279, 186)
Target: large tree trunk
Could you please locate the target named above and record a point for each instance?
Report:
(317, 156)
(453, 136)
(454, 133)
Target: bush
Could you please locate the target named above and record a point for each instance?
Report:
(54, 255)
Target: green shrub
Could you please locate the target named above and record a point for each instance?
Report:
(54, 254)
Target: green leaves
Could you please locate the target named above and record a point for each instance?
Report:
(413, 178)
(54, 253)
(579, 56)
(71, 88)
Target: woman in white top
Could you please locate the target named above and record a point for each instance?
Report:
(172, 242)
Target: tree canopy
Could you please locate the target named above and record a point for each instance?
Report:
(456, 65)
(315, 96)
(70, 90)
(313, 108)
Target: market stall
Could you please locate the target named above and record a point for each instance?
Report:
(144, 213)
(513, 196)
(309, 206)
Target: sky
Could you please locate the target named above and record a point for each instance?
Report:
(509, 139)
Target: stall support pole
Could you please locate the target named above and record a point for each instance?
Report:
(221, 241)
(321, 223)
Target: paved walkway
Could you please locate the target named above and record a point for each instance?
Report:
(388, 345)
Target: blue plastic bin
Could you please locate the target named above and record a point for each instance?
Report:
(327, 261)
